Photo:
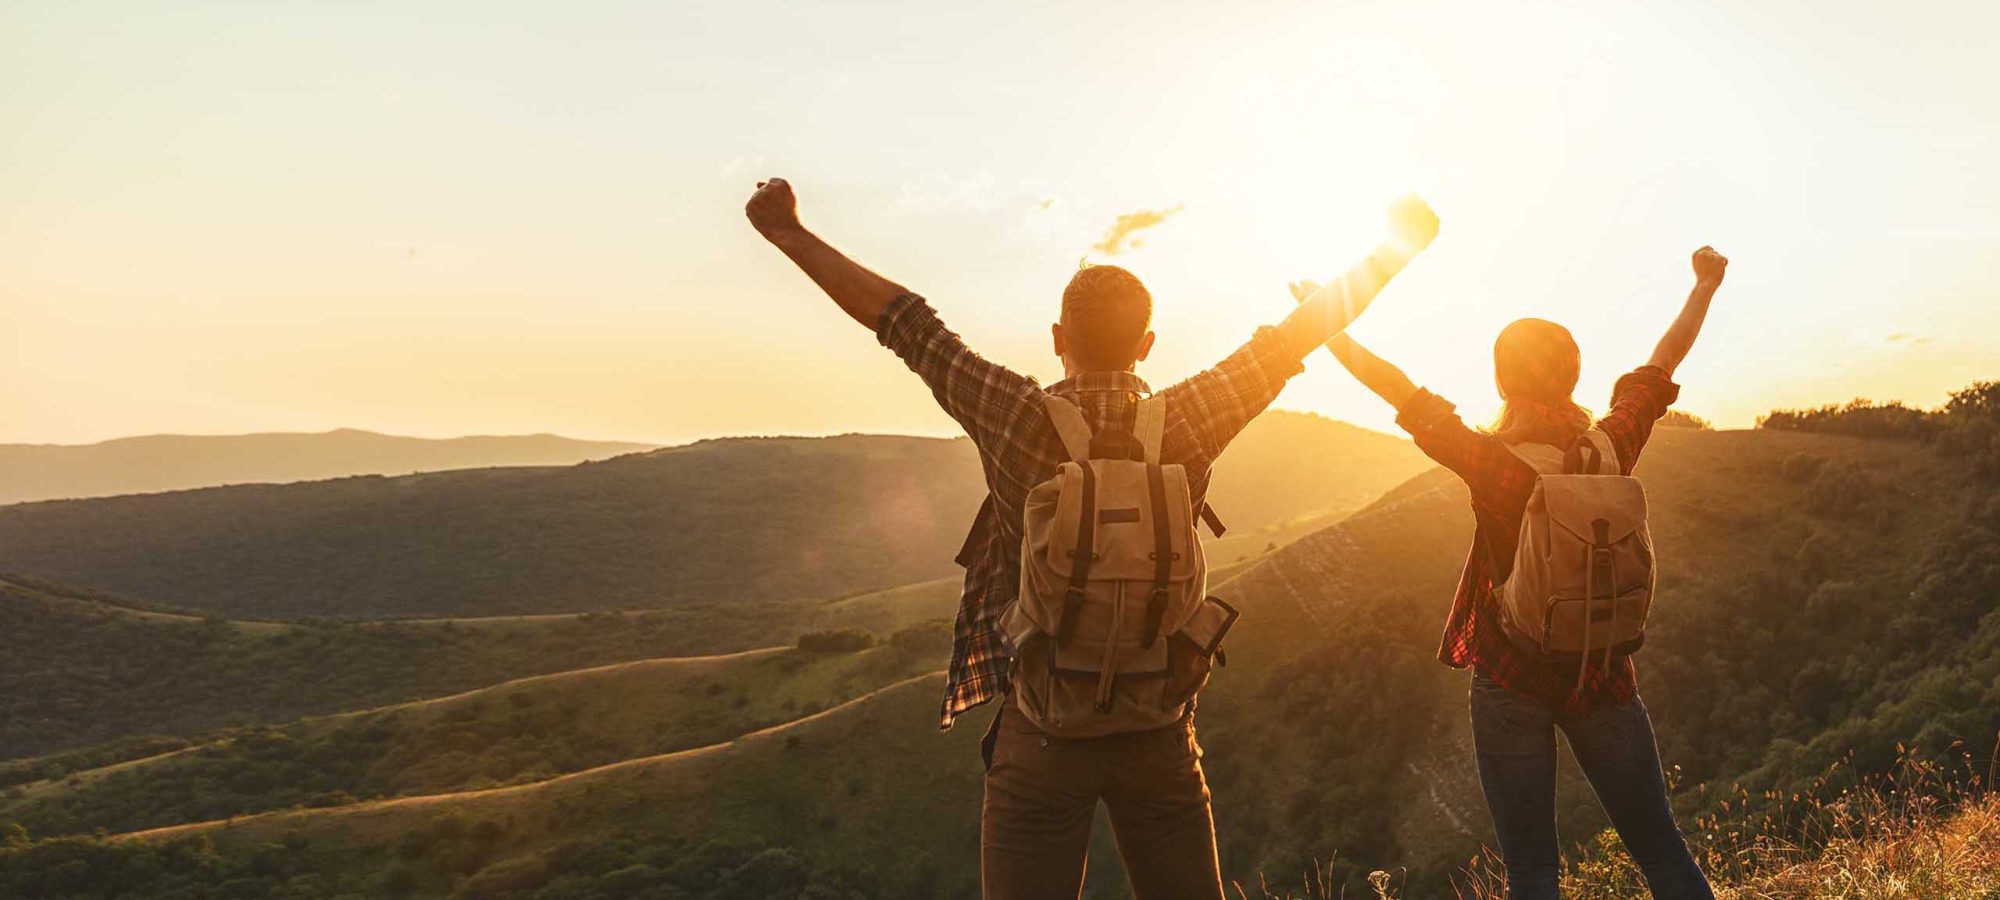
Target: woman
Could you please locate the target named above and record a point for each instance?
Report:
(1520, 699)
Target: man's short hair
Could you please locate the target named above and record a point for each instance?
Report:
(1105, 312)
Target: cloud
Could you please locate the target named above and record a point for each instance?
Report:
(1901, 337)
(1120, 236)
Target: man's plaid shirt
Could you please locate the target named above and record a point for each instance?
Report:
(1018, 447)
(1500, 483)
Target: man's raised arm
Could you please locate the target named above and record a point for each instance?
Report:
(862, 294)
(1330, 308)
(987, 399)
(1234, 391)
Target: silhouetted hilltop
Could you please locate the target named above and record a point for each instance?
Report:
(166, 462)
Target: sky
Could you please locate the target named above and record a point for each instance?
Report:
(441, 219)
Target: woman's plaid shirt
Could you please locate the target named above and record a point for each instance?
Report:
(1500, 484)
(1018, 448)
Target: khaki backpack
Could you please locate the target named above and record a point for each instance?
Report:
(1583, 572)
(1112, 631)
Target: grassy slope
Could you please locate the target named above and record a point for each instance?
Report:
(720, 521)
(524, 730)
(854, 777)
(77, 671)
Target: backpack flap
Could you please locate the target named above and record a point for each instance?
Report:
(1576, 502)
(1123, 530)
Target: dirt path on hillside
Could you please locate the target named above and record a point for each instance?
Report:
(374, 807)
(49, 786)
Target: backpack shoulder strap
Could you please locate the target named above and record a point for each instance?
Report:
(1591, 454)
(1607, 455)
(1149, 425)
(1070, 426)
(1215, 526)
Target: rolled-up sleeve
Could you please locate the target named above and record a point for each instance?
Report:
(1638, 400)
(1490, 471)
(905, 318)
(1425, 412)
(1433, 422)
(984, 397)
(1220, 401)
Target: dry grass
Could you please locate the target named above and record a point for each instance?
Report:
(1954, 857)
(1927, 830)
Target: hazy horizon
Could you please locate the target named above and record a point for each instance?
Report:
(945, 433)
(508, 219)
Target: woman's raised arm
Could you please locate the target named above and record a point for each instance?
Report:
(1374, 372)
(1674, 346)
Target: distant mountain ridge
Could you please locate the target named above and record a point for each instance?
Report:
(717, 521)
(170, 462)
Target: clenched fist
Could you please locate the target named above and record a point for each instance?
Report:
(772, 209)
(1708, 266)
(1412, 222)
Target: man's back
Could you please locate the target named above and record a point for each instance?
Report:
(1003, 412)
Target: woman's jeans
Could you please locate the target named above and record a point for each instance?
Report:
(1515, 738)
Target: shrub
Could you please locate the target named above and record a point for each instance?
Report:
(1677, 419)
(1968, 423)
(924, 639)
(1857, 418)
(837, 640)
(506, 878)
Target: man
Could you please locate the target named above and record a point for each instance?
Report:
(1042, 791)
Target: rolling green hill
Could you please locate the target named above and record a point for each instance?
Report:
(724, 821)
(526, 730)
(78, 670)
(719, 521)
(168, 462)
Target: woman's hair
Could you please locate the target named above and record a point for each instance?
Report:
(1535, 365)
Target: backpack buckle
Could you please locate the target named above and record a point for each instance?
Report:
(1601, 556)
